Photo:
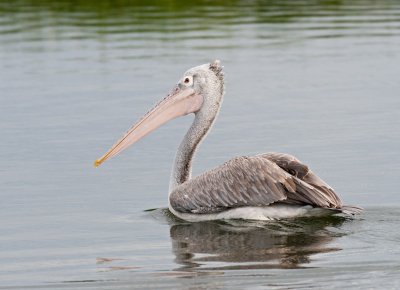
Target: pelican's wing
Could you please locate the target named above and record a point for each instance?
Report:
(315, 187)
(247, 181)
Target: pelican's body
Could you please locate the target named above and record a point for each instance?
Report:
(261, 187)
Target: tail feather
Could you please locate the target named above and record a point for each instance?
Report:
(351, 209)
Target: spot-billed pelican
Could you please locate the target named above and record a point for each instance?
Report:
(261, 187)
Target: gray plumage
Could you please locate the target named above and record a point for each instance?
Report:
(266, 186)
(247, 181)
(254, 181)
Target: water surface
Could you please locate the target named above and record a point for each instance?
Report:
(318, 79)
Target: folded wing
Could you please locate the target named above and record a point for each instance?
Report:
(253, 181)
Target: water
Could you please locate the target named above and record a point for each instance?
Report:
(319, 80)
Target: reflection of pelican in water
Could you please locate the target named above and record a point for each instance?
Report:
(252, 245)
(270, 185)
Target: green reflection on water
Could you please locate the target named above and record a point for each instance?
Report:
(142, 12)
(180, 20)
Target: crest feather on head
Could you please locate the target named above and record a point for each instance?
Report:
(216, 67)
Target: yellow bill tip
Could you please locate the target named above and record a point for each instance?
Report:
(98, 162)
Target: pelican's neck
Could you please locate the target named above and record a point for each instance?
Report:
(182, 168)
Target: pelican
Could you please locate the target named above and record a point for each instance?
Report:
(261, 187)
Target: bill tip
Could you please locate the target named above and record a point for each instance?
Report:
(97, 163)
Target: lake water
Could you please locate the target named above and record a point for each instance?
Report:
(318, 79)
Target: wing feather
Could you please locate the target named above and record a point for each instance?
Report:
(253, 181)
(307, 181)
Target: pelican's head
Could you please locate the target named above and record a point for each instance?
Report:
(199, 91)
(206, 80)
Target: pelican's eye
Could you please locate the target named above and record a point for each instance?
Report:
(188, 81)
